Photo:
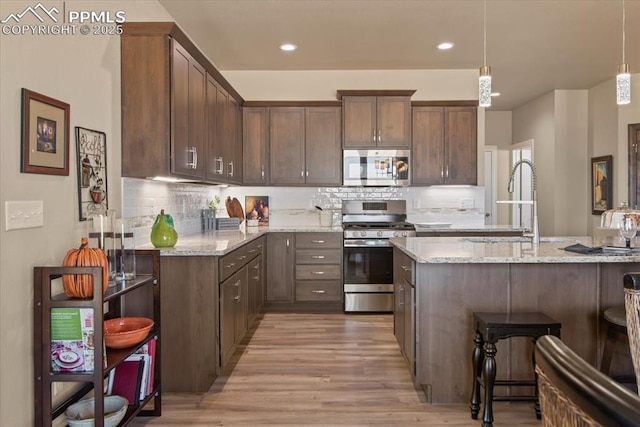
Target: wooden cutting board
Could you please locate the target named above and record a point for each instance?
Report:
(234, 208)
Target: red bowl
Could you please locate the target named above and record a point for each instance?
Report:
(123, 332)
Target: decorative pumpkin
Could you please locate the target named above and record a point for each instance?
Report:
(81, 285)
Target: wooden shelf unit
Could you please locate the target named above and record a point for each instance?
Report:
(137, 297)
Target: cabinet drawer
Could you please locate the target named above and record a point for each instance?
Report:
(232, 262)
(318, 256)
(254, 248)
(318, 272)
(319, 290)
(318, 240)
(407, 268)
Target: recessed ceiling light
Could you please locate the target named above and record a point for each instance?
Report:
(288, 47)
(445, 45)
(495, 94)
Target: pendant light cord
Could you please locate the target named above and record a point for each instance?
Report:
(485, 32)
(623, 32)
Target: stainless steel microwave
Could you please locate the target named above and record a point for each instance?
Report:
(376, 167)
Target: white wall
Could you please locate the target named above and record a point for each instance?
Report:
(83, 71)
(498, 132)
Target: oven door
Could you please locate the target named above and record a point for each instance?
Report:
(368, 277)
(376, 167)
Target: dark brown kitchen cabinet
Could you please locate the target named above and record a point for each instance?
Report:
(255, 144)
(318, 267)
(304, 145)
(286, 144)
(280, 261)
(377, 121)
(444, 146)
(233, 313)
(190, 305)
(255, 272)
(180, 117)
(404, 306)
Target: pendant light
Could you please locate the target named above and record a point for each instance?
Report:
(484, 83)
(623, 79)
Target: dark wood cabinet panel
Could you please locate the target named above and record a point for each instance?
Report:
(235, 142)
(444, 145)
(255, 143)
(286, 142)
(280, 267)
(382, 121)
(323, 145)
(214, 122)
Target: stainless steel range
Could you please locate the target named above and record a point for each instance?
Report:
(368, 254)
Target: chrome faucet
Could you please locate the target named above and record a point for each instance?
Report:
(535, 235)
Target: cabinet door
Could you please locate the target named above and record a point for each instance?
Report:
(189, 115)
(235, 144)
(255, 127)
(228, 303)
(255, 296)
(359, 114)
(286, 142)
(213, 160)
(398, 312)
(241, 286)
(280, 262)
(428, 145)
(461, 146)
(408, 326)
(393, 121)
(323, 145)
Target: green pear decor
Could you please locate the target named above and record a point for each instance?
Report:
(163, 234)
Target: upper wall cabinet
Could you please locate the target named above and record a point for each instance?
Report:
(177, 110)
(445, 144)
(255, 144)
(376, 119)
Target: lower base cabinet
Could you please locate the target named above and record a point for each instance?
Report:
(190, 310)
(404, 306)
(233, 312)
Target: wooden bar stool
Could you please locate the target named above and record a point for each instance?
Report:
(489, 328)
(616, 333)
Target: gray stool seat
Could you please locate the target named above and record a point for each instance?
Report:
(616, 315)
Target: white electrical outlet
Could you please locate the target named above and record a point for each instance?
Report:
(466, 203)
(24, 214)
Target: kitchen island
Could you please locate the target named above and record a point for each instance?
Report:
(455, 277)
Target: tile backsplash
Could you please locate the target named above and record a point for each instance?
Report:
(143, 200)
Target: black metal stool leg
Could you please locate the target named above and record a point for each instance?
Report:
(536, 405)
(477, 359)
(489, 376)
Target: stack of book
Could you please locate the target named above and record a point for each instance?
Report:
(133, 378)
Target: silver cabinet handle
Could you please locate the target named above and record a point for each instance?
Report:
(231, 168)
(442, 172)
(374, 135)
(317, 241)
(252, 251)
(256, 277)
(447, 172)
(262, 172)
(302, 174)
(317, 256)
(379, 137)
(405, 267)
(220, 170)
(318, 291)
(193, 152)
(257, 266)
(230, 265)
(318, 273)
(242, 257)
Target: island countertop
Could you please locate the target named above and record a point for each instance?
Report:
(474, 250)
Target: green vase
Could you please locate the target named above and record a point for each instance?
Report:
(163, 235)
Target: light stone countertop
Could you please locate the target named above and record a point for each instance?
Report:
(218, 243)
(435, 228)
(455, 250)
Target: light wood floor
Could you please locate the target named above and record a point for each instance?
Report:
(321, 370)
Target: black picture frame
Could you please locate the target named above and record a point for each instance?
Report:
(45, 134)
(601, 184)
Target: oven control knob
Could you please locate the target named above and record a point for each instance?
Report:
(379, 233)
(363, 234)
(404, 234)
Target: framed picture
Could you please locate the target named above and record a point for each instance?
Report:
(257, 207)
(91, 148)
(601, 184)
(45, 134)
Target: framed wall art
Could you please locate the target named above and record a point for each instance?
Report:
(91, 148)
(45, 134)
(601, 184)
(257, 207)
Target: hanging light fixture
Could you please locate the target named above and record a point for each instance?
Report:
(623, 79)
(484, 83)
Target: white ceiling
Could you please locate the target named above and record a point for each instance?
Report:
(533, 46)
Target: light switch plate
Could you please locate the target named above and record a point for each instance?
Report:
(23, 214)
(466, 203)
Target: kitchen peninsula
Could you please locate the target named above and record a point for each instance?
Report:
(455, 277)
